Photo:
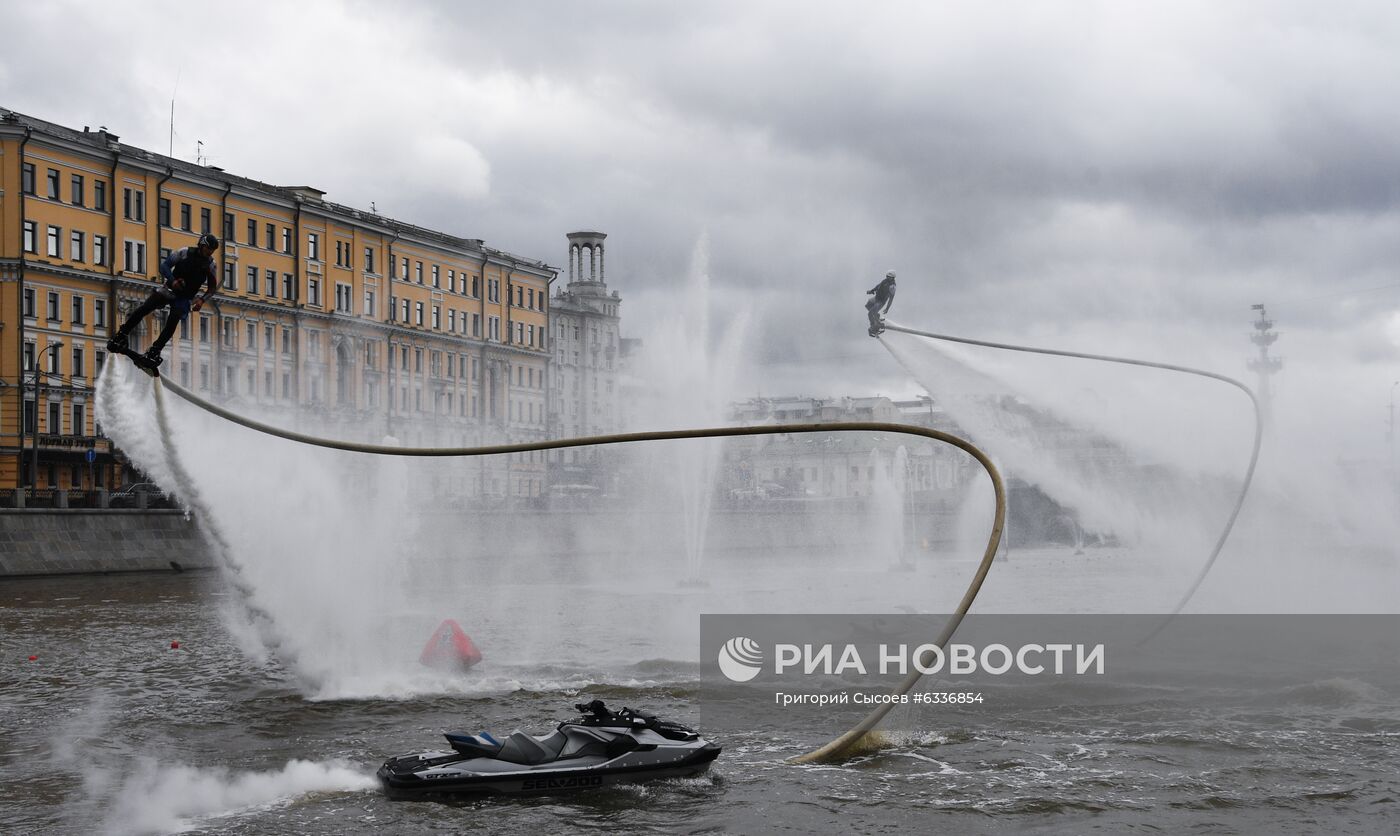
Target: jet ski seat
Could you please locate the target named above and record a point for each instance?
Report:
(522, 748)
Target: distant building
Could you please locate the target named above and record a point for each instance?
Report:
(839, 464)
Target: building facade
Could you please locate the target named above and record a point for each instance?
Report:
(585, 322)
(340, 321)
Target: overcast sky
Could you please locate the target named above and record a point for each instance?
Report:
(1089, 176)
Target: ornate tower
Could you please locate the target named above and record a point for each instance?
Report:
(585, 320)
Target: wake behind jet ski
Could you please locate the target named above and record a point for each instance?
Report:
(599, 749)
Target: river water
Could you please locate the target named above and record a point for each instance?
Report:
(110, 729)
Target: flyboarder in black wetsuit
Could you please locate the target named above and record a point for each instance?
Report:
(185, 271)
(882, 297)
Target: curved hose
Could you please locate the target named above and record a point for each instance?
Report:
(1253, 456)
(836, 747)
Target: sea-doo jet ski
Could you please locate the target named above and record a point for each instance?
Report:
(599, 749)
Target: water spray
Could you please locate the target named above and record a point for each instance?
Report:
(1253, 456)
(860, 735)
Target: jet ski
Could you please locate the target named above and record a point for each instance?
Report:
(598, 749)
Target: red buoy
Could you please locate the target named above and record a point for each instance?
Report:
(33, 658)
(174, 645)
(450, 648)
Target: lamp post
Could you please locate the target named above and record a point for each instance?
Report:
(34, 461)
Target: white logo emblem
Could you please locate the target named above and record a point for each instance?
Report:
(740, 659)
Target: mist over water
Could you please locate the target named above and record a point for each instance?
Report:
(1154, 459)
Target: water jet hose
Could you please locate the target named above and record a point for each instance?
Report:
(836, 748)
(1253, 456)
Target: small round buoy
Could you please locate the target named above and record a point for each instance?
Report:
(33, 658)
(174, 645)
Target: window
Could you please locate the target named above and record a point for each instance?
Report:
(418, 313)
(451, 281)
(287, 286)
(369, 259)
(286, 341)
(270, 283)
(79, 369)
(79, 308)
(252, 280)
(185, 216)
(313, 246)
(163, 212)
(437, 318)
(99, 313)
(53, 184)
(75, 190)
(204, 336)
(436, 279)
(27, 178)
(53, 306)
(313, 292)
(452, 320)
(31, 235)
(230, 278)
(404, 274)
(29, 304)
(267, 343)
(252, 232)
(99, 195)
(493, 328)
(418, 272)
(228, 227)
(226, 329)
(476, 325)
(270, 236)
(29, 356)
(76, 245)
(79, 422)
(343, 299)
(287, 240)
(369, 303)
(99, 250)
(404, 307)
(206, 218)
(418, 360)
(54, 234)
(493, 290)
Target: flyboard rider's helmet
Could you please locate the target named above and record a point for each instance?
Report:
(208, 241)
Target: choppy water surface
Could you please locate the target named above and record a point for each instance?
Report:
(111, 730)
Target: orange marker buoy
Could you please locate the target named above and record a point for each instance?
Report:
(450, 648)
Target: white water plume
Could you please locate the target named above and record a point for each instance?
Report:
(124, 793)
(1113, 489)
(173, 798)
(1155, 458)
(314, 540)
(691, 374)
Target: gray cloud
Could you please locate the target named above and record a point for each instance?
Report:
(1061, 169)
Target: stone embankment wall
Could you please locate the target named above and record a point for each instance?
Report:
(62, 542)
(72, 541)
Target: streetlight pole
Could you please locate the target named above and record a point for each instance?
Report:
(34, 461)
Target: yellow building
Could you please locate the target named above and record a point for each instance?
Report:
(345, 321)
